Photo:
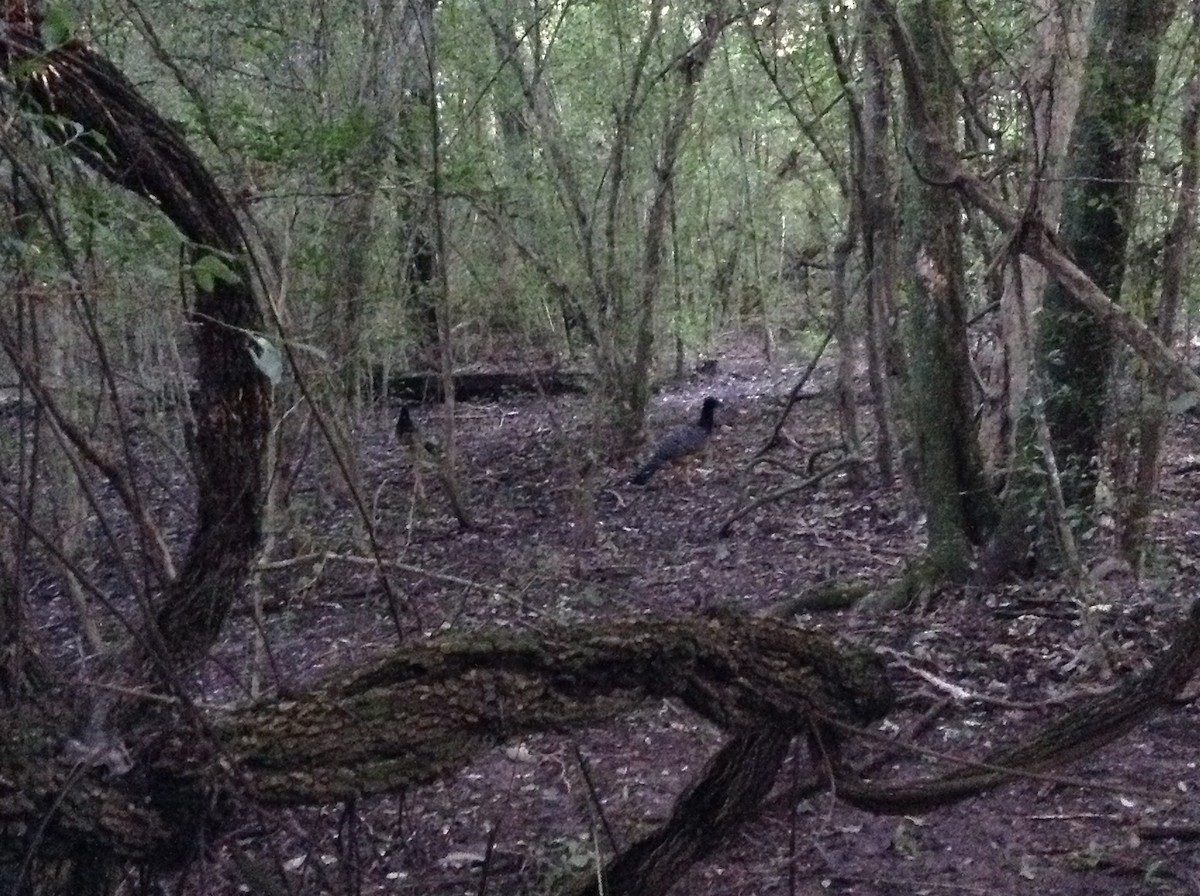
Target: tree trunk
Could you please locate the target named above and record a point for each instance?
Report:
(951, 481)
(879, 240)
(1032, 237)
(844, 391)
(525, 105)
(1076, 349)
(407, 71)
(627, 354)
(1053, 83)
(1152, 425)
(1008, 433)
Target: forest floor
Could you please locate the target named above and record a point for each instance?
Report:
(973, 667)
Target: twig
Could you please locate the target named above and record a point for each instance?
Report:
(770, 497)
(330, 556)
(793, 397)
(963, 695)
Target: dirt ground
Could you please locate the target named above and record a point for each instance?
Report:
(973, 668)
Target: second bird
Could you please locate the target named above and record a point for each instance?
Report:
(680, 444)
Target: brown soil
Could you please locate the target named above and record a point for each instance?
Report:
(973, 667)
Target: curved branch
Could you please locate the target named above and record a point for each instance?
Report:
(1082, 731)
(88, 106)
(419, 715)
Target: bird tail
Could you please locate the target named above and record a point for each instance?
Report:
(642, 476)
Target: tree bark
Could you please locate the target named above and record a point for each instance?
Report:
(1152, 426)
(953, 488)
(1106, 152)
(1030, 234)
(879, 240)
(99, 116)
(729, 792)
(153, 793)
(1053, 84)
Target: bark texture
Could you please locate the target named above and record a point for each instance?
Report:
(953, 488)
(100, 117)
(1106, 155)
(153, 794)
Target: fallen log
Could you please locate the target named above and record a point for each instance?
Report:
(482, 385)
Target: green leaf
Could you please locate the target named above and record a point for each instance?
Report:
(267, 359)
(58, 24)
(208, 269)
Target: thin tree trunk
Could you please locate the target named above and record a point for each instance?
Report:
(847, 406)
(1053, 86)
(953, 488)
(623, 293)
(879, 240)
(1176, 254)
(408, 74)
(1010, 433)
(691, 67)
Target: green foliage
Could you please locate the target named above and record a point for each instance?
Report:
(296, 119)
(209, 268)
(58, 24)
(318, 146)
(692, 325)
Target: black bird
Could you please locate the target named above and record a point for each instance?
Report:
(680, 444)
(410, 437)
(426, 456)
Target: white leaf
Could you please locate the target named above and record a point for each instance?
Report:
(267, 359)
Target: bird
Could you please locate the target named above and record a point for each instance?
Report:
(410, 437)
(680, 444)
(427, 458)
